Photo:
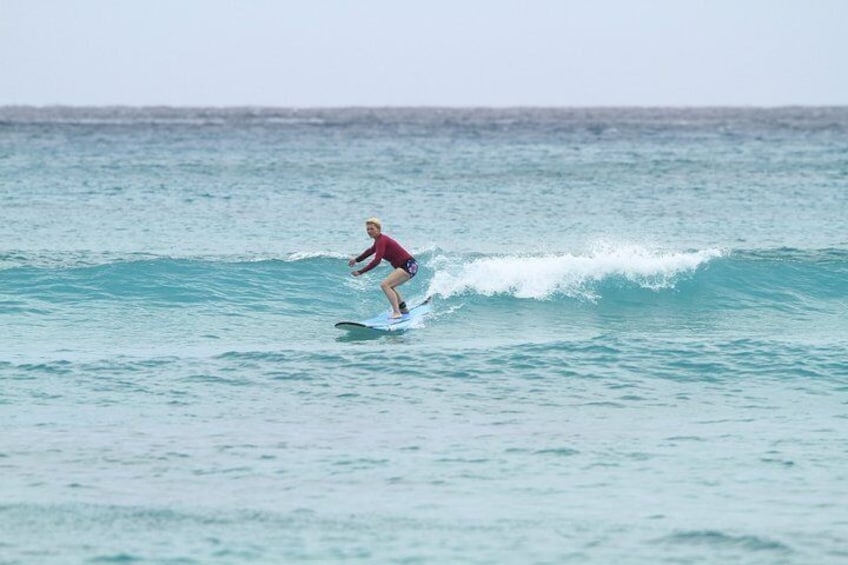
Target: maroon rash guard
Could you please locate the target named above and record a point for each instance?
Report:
(385, 248)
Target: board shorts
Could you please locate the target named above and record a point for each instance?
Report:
(411, 267)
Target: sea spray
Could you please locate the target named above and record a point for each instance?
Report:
(567, 274)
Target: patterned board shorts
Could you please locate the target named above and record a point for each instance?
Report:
(411, 267)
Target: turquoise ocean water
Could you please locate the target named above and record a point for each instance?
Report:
(638, 351)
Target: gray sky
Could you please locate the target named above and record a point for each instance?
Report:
(430, 52)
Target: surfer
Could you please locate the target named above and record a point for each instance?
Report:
(405, 265)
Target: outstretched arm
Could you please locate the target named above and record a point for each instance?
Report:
(378, 249)
(354, 260)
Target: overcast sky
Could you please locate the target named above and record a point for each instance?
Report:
(430, 52)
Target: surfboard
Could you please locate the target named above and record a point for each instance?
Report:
(384, 324)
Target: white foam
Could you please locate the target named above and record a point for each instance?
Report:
(305, 255)
(541, 277)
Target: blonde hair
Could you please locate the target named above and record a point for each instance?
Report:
(376, 222)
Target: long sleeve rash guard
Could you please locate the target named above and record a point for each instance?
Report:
(385, 248)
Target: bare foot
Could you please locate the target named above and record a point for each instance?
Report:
(396, 315)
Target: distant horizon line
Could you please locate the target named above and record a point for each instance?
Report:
(421, 106)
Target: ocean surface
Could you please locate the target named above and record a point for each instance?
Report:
(638, 351)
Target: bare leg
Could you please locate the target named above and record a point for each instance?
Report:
(403, 310)
(395, 278)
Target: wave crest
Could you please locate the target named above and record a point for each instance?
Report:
(541, 277)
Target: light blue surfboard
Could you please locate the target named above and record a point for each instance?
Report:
(383, 323)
